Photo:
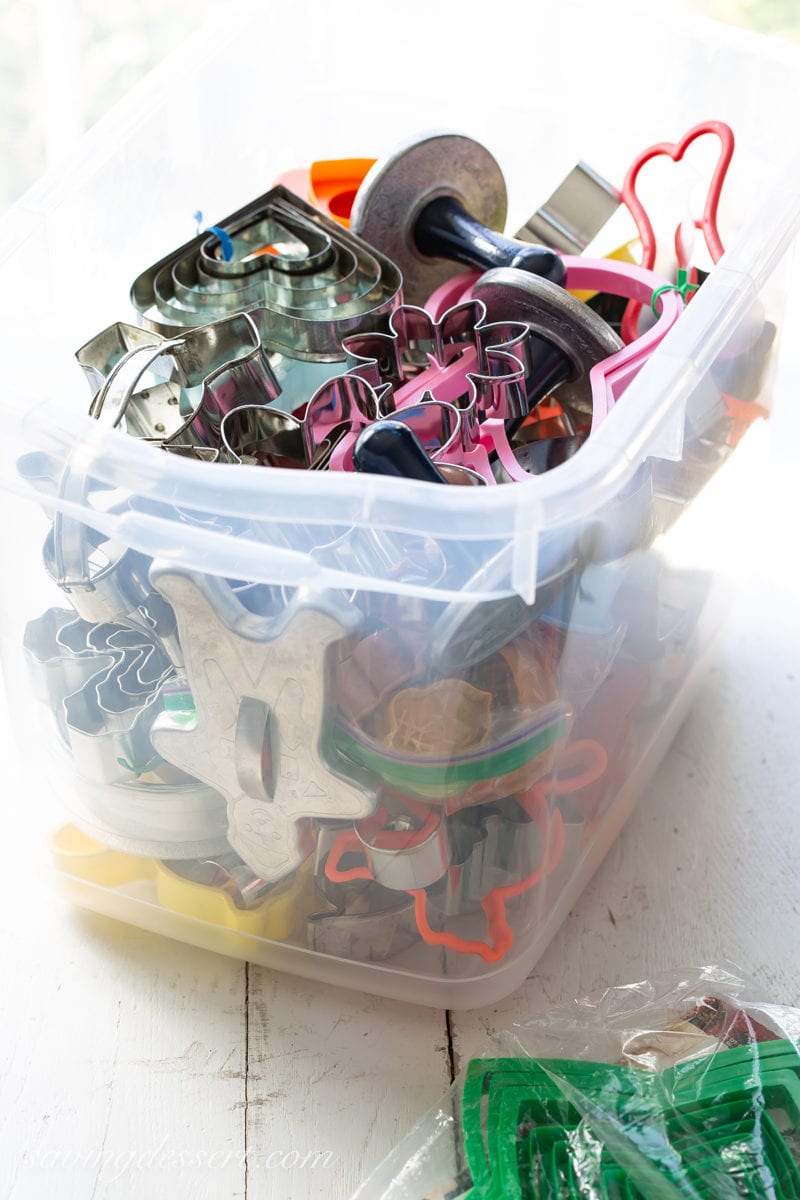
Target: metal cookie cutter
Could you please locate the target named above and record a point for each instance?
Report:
(200, 376)
(437, 199)
(102, 683)
(326, 434)
(363, 921)
(575, 213)
(458, 359)
(106, 582)
(569, 337)
(413, 854)
(490, 357)
(307, 281)
(257, 687)
(268, 437)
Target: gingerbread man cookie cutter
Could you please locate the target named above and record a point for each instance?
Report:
(257, 688)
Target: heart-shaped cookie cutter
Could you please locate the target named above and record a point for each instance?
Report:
(707, 223)
(307, 281)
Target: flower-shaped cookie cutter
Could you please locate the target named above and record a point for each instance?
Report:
(458, 359)
(550, 312)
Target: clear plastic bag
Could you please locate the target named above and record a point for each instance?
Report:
(683, 1086)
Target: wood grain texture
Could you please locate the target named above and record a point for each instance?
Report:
(332, 1072)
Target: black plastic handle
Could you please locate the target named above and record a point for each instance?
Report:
(444, 229)
(392, 448)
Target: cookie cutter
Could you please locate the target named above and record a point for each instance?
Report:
(257, 687)
(103, 685)
(307, 281)
(457, 359)
(362, 921)
(470, 759)
(685, 232)
(212, 369)
(269, 437)
(497, 845)
(575, 213)
(276, 914)
(106, 582)
(491, 358)
(594, 367)
(437, 199)
(369, 936)
(413, 854)
(329, 184)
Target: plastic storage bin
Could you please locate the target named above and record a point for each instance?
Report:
(528, 650)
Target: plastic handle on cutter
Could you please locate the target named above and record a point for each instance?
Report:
(392, 448)
(444, 229)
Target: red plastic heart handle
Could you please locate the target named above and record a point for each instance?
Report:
(707, 223)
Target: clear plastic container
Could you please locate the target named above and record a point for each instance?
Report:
(527, 651)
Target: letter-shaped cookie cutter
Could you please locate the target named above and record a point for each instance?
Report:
(307, 281)
(257, 681)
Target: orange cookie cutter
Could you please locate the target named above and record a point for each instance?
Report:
(330, 184)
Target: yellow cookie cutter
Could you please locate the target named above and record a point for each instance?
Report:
(279, 916)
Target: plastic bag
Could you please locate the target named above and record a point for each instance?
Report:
(684, 1086)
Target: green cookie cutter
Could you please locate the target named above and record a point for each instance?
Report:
(705, 1129)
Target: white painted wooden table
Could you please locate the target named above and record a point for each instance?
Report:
(136, 1067)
